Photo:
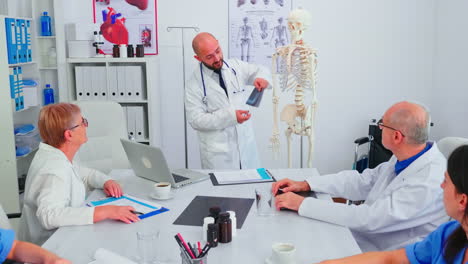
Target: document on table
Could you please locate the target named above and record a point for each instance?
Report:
(241, 177)
(104, 256)
(144, 207)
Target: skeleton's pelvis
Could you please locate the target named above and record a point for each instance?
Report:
(289, 114)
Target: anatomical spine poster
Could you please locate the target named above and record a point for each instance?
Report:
(257, 28)
(127, 22)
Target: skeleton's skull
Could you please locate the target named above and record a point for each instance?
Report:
(298, 22)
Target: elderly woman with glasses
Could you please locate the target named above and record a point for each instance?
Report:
(56, 185)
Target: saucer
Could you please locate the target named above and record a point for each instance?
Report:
(171, 195)
(269, 261)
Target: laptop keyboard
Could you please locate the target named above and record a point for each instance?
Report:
(178, 178)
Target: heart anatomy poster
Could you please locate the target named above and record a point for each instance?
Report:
(257, 28)
(127, 22)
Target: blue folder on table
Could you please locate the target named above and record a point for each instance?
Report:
(147, 208)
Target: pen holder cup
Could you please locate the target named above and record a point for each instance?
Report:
(186, 259)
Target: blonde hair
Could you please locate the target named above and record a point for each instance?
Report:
(54, 120)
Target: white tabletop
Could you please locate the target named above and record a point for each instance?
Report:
(314, 240)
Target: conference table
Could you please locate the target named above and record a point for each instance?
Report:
(314, 240)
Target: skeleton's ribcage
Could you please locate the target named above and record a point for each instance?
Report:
(300, 73)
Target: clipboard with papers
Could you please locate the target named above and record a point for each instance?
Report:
(241, 177)
(143, 207)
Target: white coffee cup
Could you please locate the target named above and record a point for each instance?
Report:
(283, 253)
(162, 190)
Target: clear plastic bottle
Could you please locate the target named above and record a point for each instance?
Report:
(46, 24)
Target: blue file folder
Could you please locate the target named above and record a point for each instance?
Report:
(149, 208)
(28, 41)
(12, 83)
(10, 27)
(20, 39)
(19, 88)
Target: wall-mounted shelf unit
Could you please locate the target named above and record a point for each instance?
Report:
(129, 81)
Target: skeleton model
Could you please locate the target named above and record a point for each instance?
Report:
(297, 72)
(246, 39)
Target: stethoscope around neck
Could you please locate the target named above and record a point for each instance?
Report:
(238, 90)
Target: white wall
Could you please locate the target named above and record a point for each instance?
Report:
(371, 54)
(450, 95)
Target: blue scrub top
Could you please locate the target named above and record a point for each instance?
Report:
(6, 242)
(430, 250)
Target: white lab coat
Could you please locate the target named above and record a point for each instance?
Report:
(399, 209)
(224, 144)
(55, 194)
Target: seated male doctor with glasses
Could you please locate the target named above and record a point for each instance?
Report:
(403, 198)
(56, 184)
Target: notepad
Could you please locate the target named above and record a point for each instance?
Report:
(241, 177)
(145, 207)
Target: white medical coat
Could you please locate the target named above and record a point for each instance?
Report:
(224, 144)
(398, 209)
(55, 194)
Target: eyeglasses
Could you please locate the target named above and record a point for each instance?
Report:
(381, 125)
(84, 122)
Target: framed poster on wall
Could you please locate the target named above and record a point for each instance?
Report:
(127, 22)
(257, 28)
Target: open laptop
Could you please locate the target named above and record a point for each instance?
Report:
(148, 162)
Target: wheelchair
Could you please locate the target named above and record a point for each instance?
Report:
(374, 152)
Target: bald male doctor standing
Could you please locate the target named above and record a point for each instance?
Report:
(215, 103)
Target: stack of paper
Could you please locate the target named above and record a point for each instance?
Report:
(104, 256)
(243, 176)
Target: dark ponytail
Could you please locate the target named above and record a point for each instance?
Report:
(457, 168)
(455, 243)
